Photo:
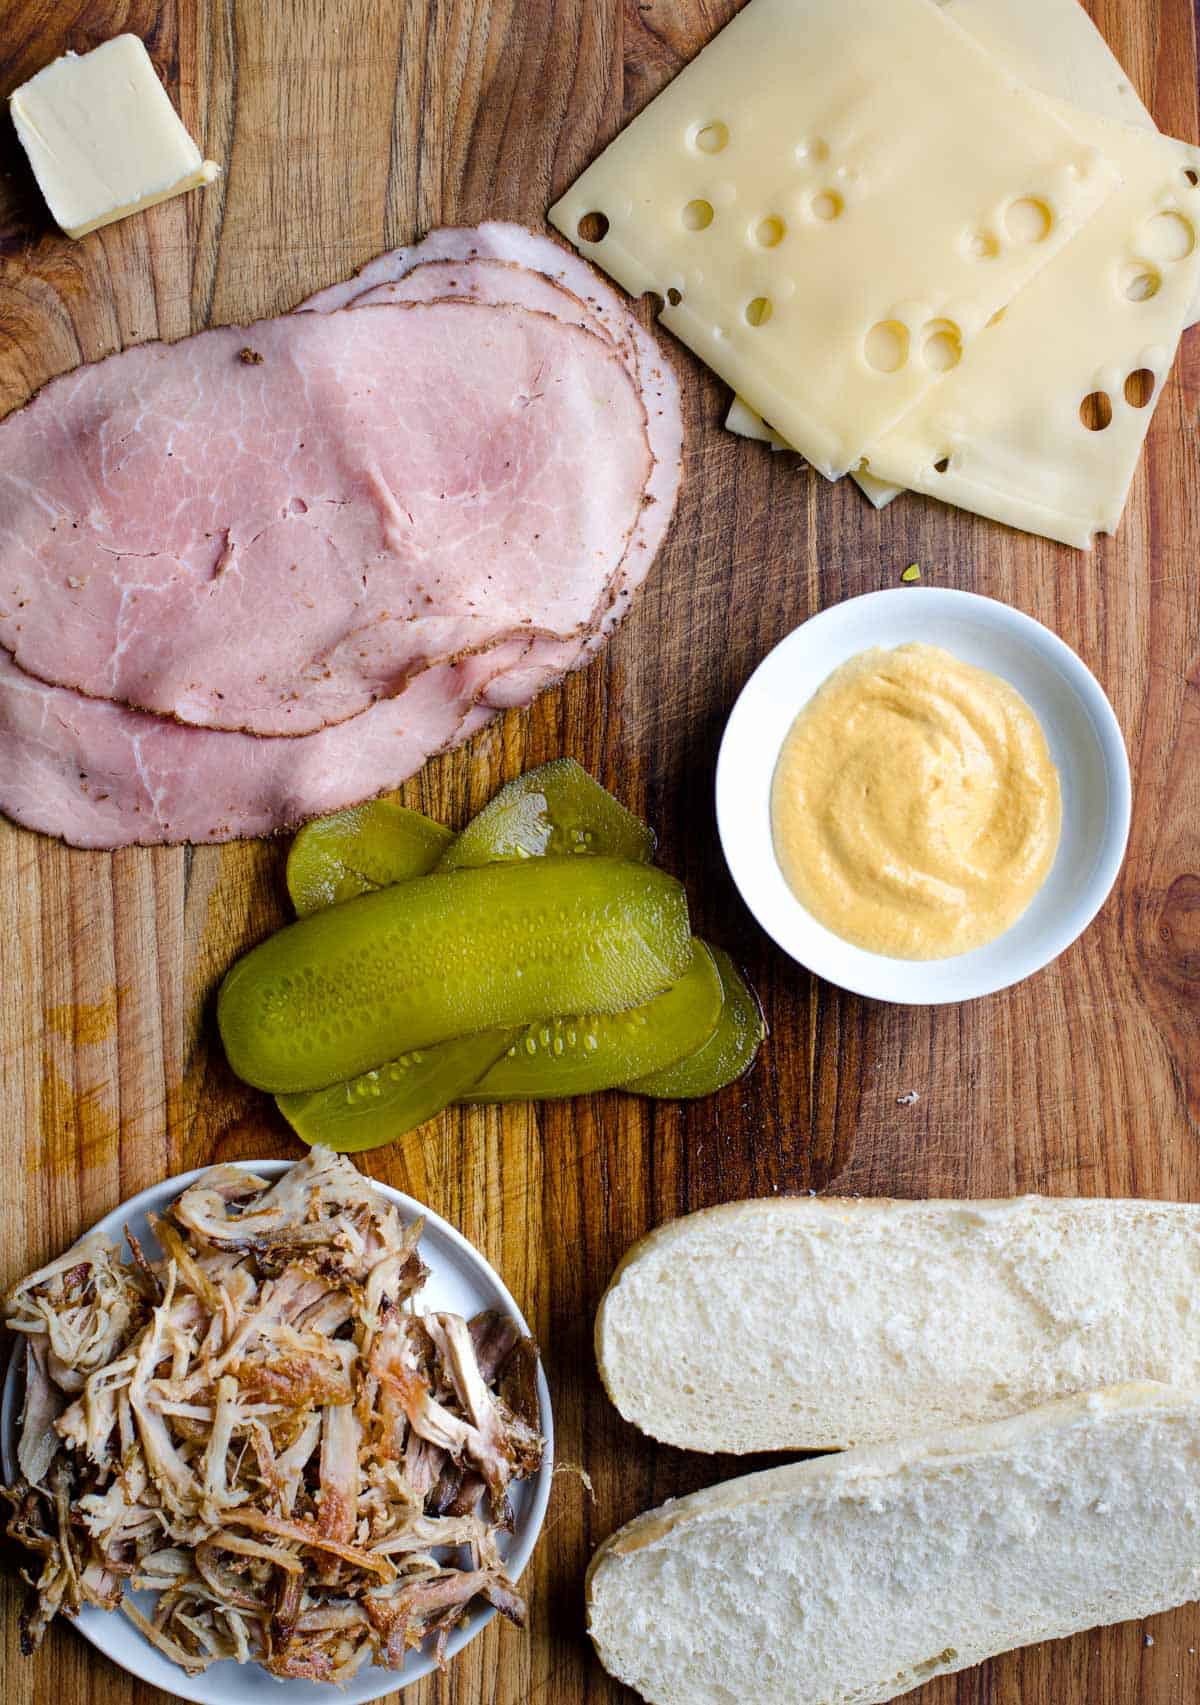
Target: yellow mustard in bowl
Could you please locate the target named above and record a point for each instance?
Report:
(915, 806)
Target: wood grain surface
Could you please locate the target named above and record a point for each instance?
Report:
(346, 126)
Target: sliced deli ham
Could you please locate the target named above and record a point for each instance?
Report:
(101, 775)
(485, 280)
(270, 527)
(498, 240)
(491, 262)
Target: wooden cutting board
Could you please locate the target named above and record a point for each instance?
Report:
(345, 127)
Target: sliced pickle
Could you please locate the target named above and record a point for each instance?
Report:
(555, 809)
(729, 1051)
(573, 1056)
(352, 987)
(356, 851)
(370, 1110)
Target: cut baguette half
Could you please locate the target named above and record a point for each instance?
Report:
(852, 1579)
(814, 1324)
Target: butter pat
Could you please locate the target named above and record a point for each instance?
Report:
(102, 136)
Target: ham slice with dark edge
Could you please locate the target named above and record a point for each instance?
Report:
(270, 527)
(98, 775)
(485, 280)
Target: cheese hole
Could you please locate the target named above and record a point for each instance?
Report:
(980, 245)
(815, 149)
(1168, 236)
(1139, 387)
(1028, 220)
(828, 205)
(759, 311)
(712, 137)
(655, 302)
(886, 346)
(941, 345)
(1095, 411)
(674, 297)
(697, 215)
(770, 232)
(941, 465)
(1140, 281)
(1193, 177)
(593, 228)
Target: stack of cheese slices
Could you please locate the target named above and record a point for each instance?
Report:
(934, 246)
(1018, 1383)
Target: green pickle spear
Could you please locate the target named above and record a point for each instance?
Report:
(698, 1035)
(349, 988)
(729, 1051)
(553, 810)
(355, 851)
(573, 1056)
(370, 1110)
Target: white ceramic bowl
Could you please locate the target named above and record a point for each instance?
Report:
(1084, 739)
(459, 1280)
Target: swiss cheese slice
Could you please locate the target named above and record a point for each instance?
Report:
(1056, 48)
(747, 424)
(834, 199)
(1043, 426)
(879, 493)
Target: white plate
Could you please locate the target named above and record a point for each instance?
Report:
(1080, 728)
(460, 1280)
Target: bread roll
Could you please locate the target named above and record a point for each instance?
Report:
(851, 1579)
(813, 1324)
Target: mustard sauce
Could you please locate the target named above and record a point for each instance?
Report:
(915, 806)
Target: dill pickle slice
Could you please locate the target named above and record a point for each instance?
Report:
(729, 1051)
(355, 851)
(371, 1110)
(555, 809)
(573, 1056)
(349, 988)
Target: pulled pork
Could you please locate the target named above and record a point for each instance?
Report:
(260, 1428)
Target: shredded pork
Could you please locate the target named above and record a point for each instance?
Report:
(261, 1428)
